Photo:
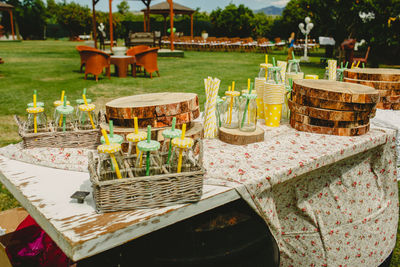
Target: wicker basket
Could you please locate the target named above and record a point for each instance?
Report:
(138, 192)
(74, 138)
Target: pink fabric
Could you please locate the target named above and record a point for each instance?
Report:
(33, 247)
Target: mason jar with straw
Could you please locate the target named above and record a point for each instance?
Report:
(231, 108)
(293, 71)
(36, 121)
(248, 112)
(79, 102)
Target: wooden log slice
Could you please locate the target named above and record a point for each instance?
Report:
(328, 104)
(327, 123)
(390, 99)
(236, 137)
(327, 114)
(158, 122)
(373, 74)
(379, 85)
(394, 106)
(148, 106)
(336, 91)
(327, 130)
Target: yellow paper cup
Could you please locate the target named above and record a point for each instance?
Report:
(273, 114)
(273, 93)
(311, 77)
(259, 84)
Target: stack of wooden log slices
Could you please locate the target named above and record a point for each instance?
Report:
(157, 110)
(331, 107)
(385, 81)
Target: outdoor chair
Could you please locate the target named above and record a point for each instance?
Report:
(362, 59)
(133, 51)
(148, 59)
(83, 56)
(96, 61)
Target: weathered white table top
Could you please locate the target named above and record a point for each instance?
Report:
(76, 228)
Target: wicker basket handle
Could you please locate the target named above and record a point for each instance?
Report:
(102, 117)
(199, 142)
(18, 121)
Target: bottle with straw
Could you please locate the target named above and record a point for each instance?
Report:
(149, 146)
(80, 101)
(248, 111)
(170, 134)
(182, 144)
(114, 138)
(293, 70)
(87, 118)
(133, 139)
(110, 149)
(64, 116)
(231, 108)
(59, 103)
(36, 117)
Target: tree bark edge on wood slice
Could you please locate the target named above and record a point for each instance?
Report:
(373, 74)
(304, 119)
(152, 105)
(336, 91)
(379, 85)
(330, 131)
(328, 114)
(329, 104)
(237, 137)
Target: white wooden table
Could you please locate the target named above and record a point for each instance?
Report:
(76, 228)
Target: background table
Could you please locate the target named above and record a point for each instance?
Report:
(121, 65)
(316, 193)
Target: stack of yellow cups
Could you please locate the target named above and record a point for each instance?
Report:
(259, 85)
(332, 69)
(273, 100)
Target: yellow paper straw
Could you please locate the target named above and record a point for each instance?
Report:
(34, 115)
(138, 153)
(230, 110)
(352, 65)
(90, 115)
(248, 85)
(181, 149)
(233, 86)
(358, 63)
(113, 159)
(266, 58)
(62, 100)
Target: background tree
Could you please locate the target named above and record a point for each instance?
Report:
(233, 21)
(75, 18)
(123, 7)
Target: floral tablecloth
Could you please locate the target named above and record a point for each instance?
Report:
(320, 213)
(328, 200)
(387, 118)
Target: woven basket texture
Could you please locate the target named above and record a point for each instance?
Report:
(162, 188)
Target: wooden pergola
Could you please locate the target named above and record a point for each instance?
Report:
(146, 20)
(8, 8)
(163, 9)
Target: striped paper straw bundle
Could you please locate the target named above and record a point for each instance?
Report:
(259, 84)
(210, 119)
(332, 69)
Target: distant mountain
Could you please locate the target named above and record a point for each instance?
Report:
(270, 10)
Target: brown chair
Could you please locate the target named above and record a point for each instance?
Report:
(135, 50)
(96, 61)
(148, 59)
(83, 56)
(362, 59)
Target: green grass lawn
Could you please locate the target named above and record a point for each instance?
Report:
(52, 66)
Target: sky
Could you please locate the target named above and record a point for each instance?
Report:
(204, 5)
